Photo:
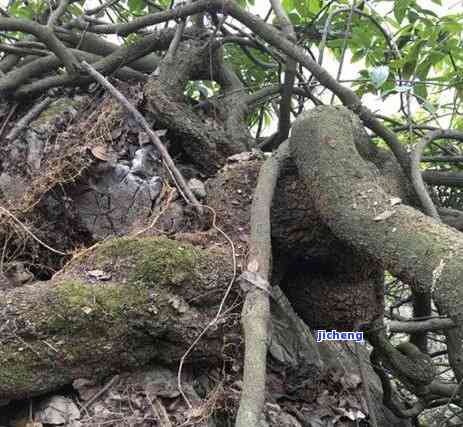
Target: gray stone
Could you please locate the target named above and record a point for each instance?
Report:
(198, 188)
(115, 199)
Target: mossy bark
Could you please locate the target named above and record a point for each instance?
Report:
(159, 296)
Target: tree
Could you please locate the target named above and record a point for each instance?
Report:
(334, 207)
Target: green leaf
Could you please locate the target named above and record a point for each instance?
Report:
(429, 107)
(25, 12)
(408, 69)
(400, 9)
(136, 5)
(75, 9)
(288, 5)
(403, 40)
(421, 92)
(426, 11)
(358, 55)
(303, 8)
(452, 26)
(314, 7)
(388, 85)
(294, 18)
(379, 75)
(412, 16)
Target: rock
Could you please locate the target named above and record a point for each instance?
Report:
(116, 198)
(57, 410)
(99, 275)
(36, 146)
(15, 274)
(12, 188)
(246, 156)
(159, 381)
(155, 187)
(4, 284)
(145, 162)
(86, 388)
(198, 188)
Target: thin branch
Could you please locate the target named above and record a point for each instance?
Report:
(344, 46)
(263, 95)
(243, 44)
(366, 389)
(284, 123)
(120, 57)
(416, 176)
(177, 38)
(413, 326)
(153, 19)
(45, 65)
(30, 233)
(244, 41)
(46, 36)
(57, 13)
(100, 392)
(326, 30)
(101, 7)
(22, 51)
(445, 159)
(8, 118)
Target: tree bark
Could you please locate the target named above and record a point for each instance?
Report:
(351, 201)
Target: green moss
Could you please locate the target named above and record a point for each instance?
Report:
(109, 297)
(87, 319)
(137, 266)
(55, 109)
(155, 261)
(19, 372)
(76, 303)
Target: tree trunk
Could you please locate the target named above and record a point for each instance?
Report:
(352, 202)
(126, 303)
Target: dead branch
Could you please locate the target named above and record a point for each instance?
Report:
(31, 115)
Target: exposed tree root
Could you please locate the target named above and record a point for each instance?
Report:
(256, 310)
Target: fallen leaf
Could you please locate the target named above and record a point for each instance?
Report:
(383, 216)
(395, 201)
(253, 266)
(99, 275)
